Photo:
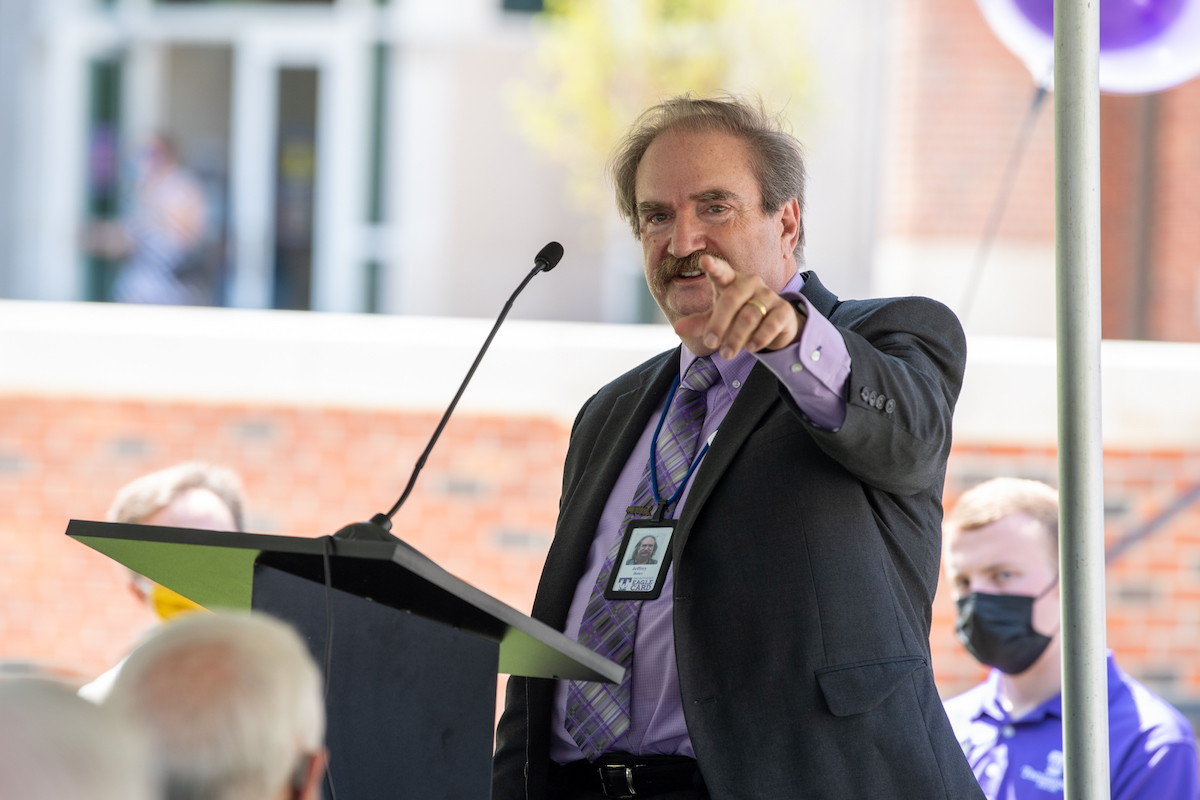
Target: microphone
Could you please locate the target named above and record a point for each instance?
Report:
(548, 258)
(380, 525)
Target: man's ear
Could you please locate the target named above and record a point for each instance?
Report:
(790, 223)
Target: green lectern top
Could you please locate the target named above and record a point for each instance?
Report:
(216, 570)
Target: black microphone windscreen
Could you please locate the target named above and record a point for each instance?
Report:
(549, 256)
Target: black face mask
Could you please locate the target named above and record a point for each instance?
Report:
(998, 630)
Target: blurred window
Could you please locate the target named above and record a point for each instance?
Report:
(245, 2)
(295, 182)
(531, 6)
(104, 169)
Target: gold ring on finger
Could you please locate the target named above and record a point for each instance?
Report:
(759, 305)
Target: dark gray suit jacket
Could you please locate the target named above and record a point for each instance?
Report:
(805, 565)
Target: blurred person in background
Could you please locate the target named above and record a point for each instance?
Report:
(56, 746)
(232, 706)
(188, 495)
(161, 236)
(1001, 556)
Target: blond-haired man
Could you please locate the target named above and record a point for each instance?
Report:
(1001, 556)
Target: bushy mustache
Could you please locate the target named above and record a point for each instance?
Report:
(670, 267)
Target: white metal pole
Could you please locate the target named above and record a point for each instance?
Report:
(1080, 454)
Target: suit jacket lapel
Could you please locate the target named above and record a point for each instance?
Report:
(760, 392)
(757, 395)
(822, 299)
(610, 449)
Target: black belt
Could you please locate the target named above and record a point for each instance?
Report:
(628, 776)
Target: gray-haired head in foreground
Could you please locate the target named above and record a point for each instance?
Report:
(56, 746)
(231, 702)
(776, 157)
(151, 493)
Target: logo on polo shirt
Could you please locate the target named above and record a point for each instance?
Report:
(1050, 779)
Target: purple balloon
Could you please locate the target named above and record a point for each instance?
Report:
(1123, 23)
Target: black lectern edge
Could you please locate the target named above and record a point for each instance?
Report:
(420, 564)
(401, 553)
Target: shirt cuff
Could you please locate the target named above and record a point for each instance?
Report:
(815, 369)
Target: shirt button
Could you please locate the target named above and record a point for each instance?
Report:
(871, 398)
(737, 384)
(816, 355)
(890, 406)
(864, 394)
(797, 367)
(1008, 731)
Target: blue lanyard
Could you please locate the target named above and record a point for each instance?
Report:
(662, 507)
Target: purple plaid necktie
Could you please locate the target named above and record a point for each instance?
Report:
(598, 713)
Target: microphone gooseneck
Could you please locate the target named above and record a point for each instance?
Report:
(546, 260)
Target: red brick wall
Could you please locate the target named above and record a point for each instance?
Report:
(1122, 146)
(484, 508)
(1174, 313)
(960, 98)
(959, 101)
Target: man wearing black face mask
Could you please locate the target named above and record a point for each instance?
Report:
(1001, 555)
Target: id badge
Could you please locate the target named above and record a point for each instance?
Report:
(642, 562)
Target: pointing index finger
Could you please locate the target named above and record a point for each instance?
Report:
(717, 270)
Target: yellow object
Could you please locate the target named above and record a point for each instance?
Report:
(170, 604)
(599, 64)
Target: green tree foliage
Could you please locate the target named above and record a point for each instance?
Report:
(600, 63)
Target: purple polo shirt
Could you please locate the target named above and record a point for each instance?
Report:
(1152, 750)
(657, 725)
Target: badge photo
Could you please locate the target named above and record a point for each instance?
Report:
(643, 561)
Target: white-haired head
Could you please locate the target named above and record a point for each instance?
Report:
(56, 746)
(232, 703)
(140, 500)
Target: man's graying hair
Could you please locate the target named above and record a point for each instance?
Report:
(55, 745)
(776, 156)
(231, 702)
(151, 493)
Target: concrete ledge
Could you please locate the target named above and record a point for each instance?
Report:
(1151, 393)
(1151, 389)
(211, 355)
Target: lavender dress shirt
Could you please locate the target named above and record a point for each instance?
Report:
(815, 371)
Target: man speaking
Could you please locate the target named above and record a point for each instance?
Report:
(793, 450)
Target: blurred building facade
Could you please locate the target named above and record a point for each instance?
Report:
(956, 101)
(360, 155)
